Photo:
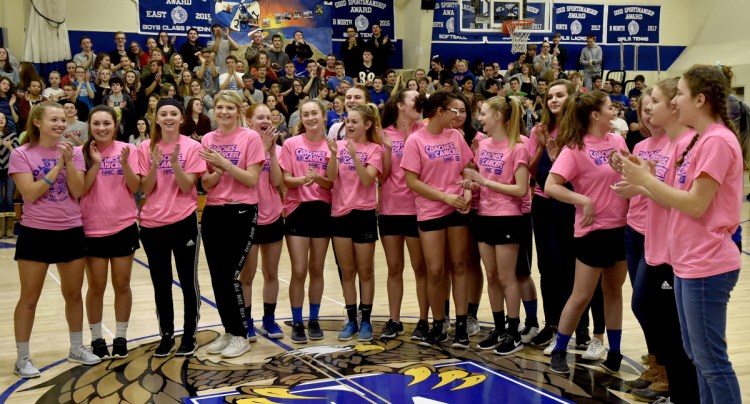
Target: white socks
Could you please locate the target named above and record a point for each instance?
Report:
(22, 349)
(122, 329)
(96, 331)
(76, 341)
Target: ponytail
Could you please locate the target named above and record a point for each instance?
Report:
(576, 115)
(514, 122)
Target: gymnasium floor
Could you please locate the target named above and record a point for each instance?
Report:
(329, 371)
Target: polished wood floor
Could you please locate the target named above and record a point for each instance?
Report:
(49, 342)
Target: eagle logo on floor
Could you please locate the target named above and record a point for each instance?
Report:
(394, 371)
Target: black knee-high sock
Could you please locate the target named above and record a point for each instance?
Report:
(447, 307)
(351, 312)
(461, 324)
(473, 309)
(269, 309)
(513, 327)
(366, 311)
(499, 318)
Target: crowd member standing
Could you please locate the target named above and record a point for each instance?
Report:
(434, 158)
(8, 142)
(269, 233)
(304, 160)
(552, 220)
(190, 49)
(109, 218)
(358, 161)
(169, 166)
(503, 179)
(657, 303)
(651, 149)
(705, 202)
(397, 217)
(600, 220)
(235, 156)
(49, 175)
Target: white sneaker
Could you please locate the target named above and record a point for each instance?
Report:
(236, 347)
(84, 356)
(551, 346)
(219, 344)
(446, 325)
(26, 368)
(528, 333)
(472, 326)
(595, 350)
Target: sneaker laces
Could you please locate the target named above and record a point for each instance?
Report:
(24, 360)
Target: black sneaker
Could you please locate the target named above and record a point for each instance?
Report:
(298, 333)
(165, 346)
(491, 341)
(313, 329)
(187, 346)
(509, 345)
(583, 339)
(434, 337)
(420, 331)
(558, 362)
(391, 330)
(544, 337)
(99, 348)
(612, 363)
(120, 348)
(461, 340)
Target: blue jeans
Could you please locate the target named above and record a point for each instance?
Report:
(702, 307)
(634, 245)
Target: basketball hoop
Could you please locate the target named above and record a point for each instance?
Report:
(519, 33)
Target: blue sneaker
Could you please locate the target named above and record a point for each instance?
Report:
(349, 330)
(271, 329)
(365, 332)
(251, 337)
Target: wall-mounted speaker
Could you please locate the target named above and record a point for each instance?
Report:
(428, 4)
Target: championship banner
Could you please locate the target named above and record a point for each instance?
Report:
(633, 24)
(174, 16)
(362, 14)
(575, 22)
(446, 24)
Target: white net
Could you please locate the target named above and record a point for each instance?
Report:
(519, 35)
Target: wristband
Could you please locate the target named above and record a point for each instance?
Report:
(47, 181)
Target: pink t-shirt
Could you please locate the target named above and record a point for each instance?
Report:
(533, 144)
(438, 161)
(244, 148)
(395, 197)
(476, 196)
(499, 163)
(109, 206)
(167, 204)
(526, 200)
(703, 247)
(656, 247)
(56, 209)
(269, 200)
(348, 191)
(589, 172)
(648, 149)
(298, 156)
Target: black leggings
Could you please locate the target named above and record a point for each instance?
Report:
(228, 232)
(553, 233)
(667, 341)
(159, 243)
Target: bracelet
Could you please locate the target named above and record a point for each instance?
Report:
(229, 168)
(47, 181)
